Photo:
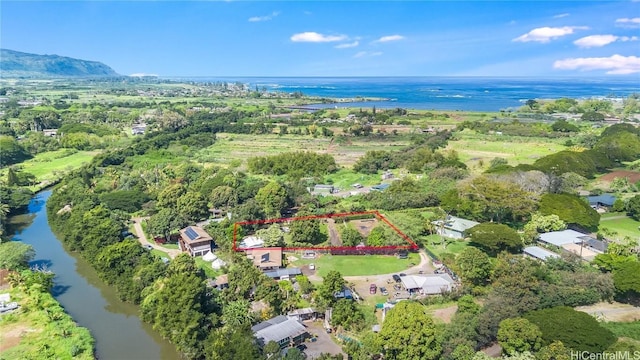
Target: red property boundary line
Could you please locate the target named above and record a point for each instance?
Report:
(412, 245)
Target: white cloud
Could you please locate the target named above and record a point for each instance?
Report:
(630, 23)
(615, 64)
(601, 40)
(347, 45)
(367, 54)
(546, 34)
(390, 38)
(312, 36)
(560, 16)
(264, 18)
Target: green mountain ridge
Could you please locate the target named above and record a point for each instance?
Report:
(20, 64)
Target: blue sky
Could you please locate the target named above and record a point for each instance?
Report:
(325, 38)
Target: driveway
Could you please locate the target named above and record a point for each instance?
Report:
(142, 238)
(324, 344)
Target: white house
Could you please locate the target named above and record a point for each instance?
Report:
(454, 227)
(428, 284)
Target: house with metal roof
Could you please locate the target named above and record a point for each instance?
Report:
(601, 201)
(281, 329)
(454, 227)
(560, 238)
(251, 242)
(283, 274)
(539, 253)
(195, 241)
(427, 284)
(380, 187)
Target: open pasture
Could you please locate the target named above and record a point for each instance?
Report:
(477, 150)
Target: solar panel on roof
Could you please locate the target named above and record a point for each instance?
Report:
(191, 234)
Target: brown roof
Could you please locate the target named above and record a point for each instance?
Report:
(194, 234)
(266, 257)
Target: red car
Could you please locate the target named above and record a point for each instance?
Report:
(373, 288)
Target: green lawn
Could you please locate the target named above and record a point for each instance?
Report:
(206, 267)
(620, 223)
(452, 246)
(159, 253)
(354, 265)
(52, 165)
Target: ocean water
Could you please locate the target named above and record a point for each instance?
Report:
(447, 93)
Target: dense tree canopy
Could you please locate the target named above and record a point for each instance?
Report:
(294, 164)
(575, 329)
(571, 209)
(408, 333)
(494, 238)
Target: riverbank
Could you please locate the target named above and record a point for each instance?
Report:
(118, 331)
(40, 329)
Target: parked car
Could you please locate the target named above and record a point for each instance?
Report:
(147, 246)
(373, 288)
(402, 274)
(384, 291)
(312, 266)
(302, 347)
(396, 278)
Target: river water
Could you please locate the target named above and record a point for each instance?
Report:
(115, 325)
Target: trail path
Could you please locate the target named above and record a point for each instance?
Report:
(333, 233)
(142, 238)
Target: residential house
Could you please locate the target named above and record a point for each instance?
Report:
(304, 314)
(283, 274)
(454, 227)
(195, 241)
(428, 284)
(539, 253)
(284, 331)
(380, 187)
(604, 201)
(576, 242)
(251, 242)
(50, 132)
(323, 189)
(387, 175)
(266, 258)
(138, 129)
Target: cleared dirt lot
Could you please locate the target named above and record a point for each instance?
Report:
(364, 226)
(612, 312)
(324, 344)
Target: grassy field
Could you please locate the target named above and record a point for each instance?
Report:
(624, 329)
(477, 150)
(239, 147)
(622, 224)
(206, 267)
(354, 265)
(53, 164)
(452, 246)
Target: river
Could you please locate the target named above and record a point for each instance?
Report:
(115, 325)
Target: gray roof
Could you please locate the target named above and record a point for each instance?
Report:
(604, 199)
(278, 273)
(457, 224)
(265, 324)
(540, 253)
(559, 238)
(430, 284)
(596, 244)
(289, 328)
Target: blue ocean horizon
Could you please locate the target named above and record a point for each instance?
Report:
(442, 93)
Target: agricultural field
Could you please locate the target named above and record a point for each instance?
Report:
(236, 148)
(477, 150)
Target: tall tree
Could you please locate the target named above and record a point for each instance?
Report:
(273, 198)
(518, 335)
(474, 266)
(408, 333)
(494, 238)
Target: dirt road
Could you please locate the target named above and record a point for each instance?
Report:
(334, 237)
(142, 238)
